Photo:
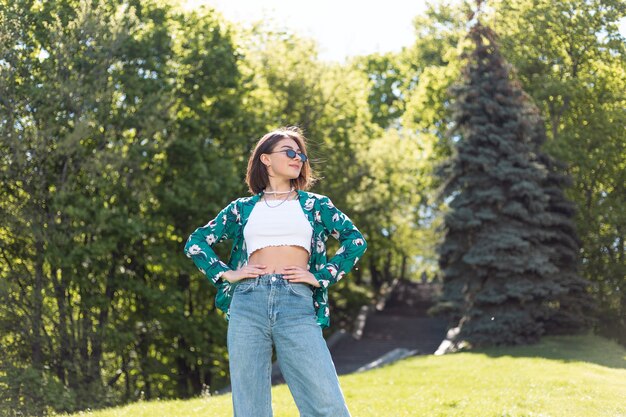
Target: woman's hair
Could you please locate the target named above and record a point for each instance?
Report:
(257, 176)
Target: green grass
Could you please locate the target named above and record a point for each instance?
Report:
(561, 376)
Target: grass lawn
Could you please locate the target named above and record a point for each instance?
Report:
(561, 376)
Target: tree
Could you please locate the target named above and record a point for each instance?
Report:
(388, 198)
(386, 101)
(61, 180)
(200, 172)
(496, 266)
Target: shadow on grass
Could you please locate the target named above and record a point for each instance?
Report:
(583, 348)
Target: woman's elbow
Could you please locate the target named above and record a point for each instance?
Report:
(360, 243)
(190, 244)
(187, 246)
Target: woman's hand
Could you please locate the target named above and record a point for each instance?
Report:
(246, 271)
(299, 274)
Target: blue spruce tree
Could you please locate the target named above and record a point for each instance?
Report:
(500, 264)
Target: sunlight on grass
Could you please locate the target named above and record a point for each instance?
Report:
(561, 376)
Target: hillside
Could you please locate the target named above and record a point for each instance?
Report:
(561, 376)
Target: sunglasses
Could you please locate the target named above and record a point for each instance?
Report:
(292, 154)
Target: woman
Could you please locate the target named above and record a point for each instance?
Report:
(274, 289)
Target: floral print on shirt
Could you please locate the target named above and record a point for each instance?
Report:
(325, 219)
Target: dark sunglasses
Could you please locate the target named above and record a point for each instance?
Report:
(292, 154)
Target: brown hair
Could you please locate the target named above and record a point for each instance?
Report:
(257, 176)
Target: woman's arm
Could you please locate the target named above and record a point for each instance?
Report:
(199, 246)
(353, 244)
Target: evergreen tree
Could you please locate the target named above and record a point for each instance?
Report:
(496, 262)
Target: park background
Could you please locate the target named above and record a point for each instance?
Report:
(126, 125)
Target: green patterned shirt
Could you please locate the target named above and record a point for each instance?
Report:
(325, 219)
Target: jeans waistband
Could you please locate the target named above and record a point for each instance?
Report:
(274, 279)
(269, 277)
(264, 279)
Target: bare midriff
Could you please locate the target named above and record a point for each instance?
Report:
(275, 258)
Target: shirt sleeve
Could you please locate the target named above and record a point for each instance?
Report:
(353, 244)
(199, 246)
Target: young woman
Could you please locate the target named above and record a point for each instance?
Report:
(274, 289)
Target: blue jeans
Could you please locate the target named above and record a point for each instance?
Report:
(266, 311)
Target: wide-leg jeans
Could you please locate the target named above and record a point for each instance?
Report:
(269, 310)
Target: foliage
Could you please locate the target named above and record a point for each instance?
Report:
(106, 103)
(433, 63)
(392, 189)
(387, 80)
(430, 66)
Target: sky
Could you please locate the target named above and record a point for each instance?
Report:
(342, 28)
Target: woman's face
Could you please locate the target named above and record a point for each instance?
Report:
(279, 164)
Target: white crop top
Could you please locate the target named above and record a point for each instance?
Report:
(283, 225)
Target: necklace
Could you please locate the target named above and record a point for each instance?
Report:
(278, 192)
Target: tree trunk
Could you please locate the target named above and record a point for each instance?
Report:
(85, 327)
(65, 355)
(184, 376)
(127, 384)
(387, 268)
(403, 268)
(143, 311)
(103, 318)
(36, 346)
(358, 276)
(375, 274)
(142, 349)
